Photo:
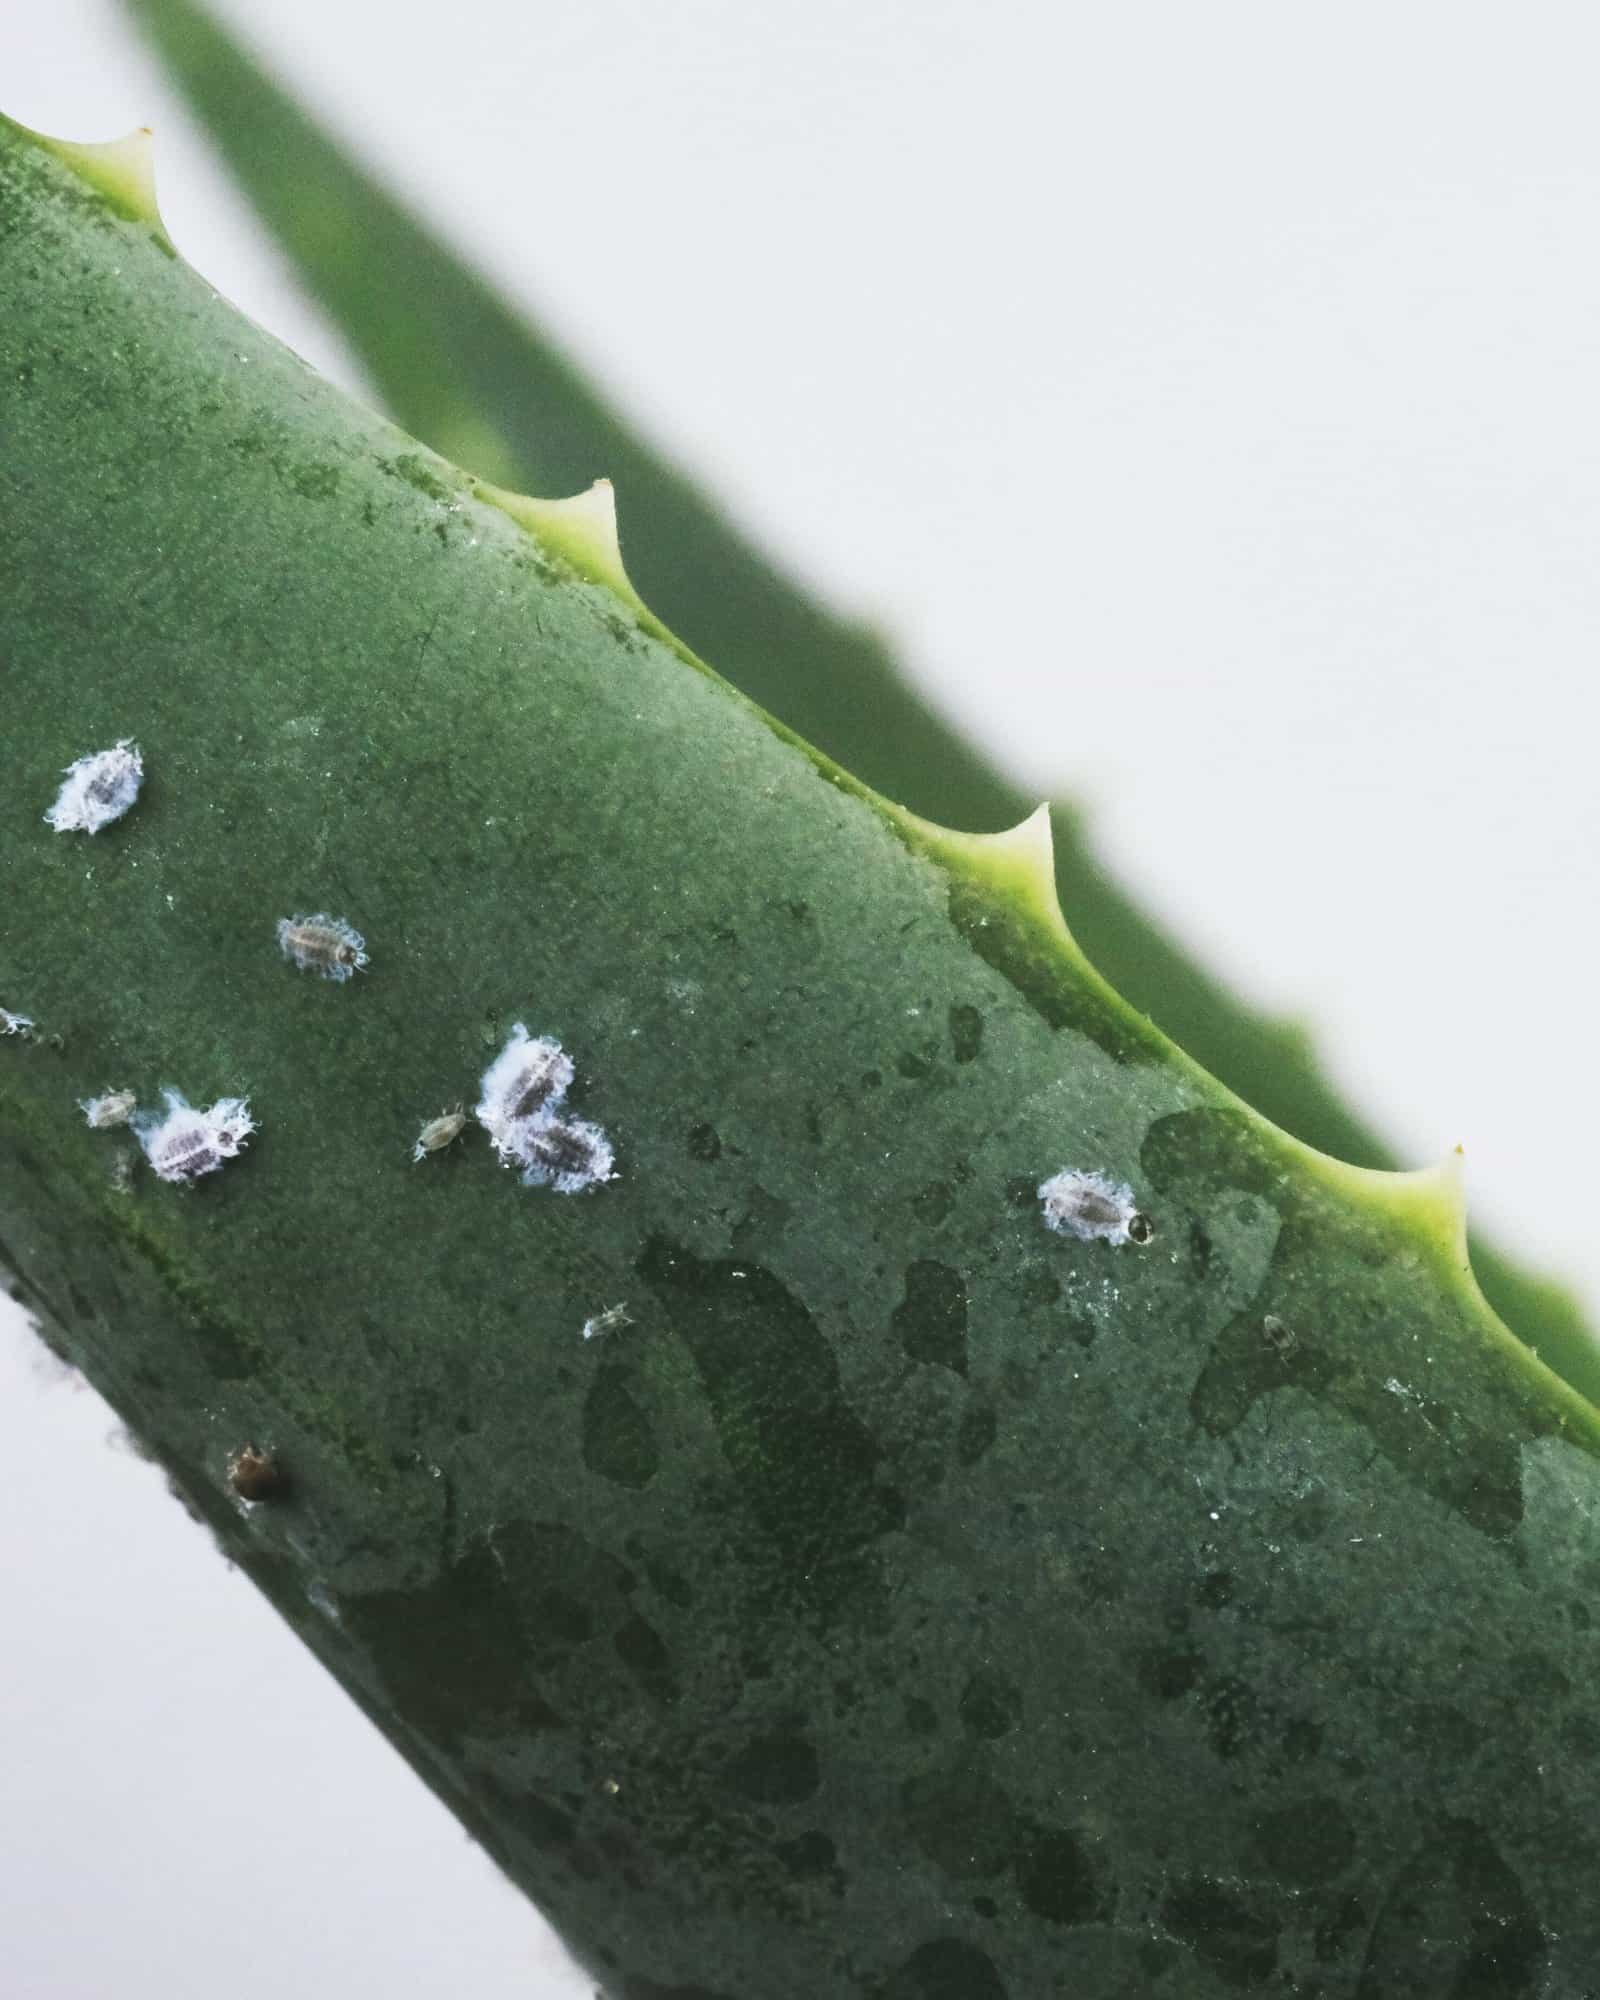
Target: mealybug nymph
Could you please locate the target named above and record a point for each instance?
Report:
(438, 1133)
(531, 1074)
(15, 1024)
(115, 1107)
(322, 944)
(98, 789)
(183, 1143)
(607, 1322)
(1093, 1206)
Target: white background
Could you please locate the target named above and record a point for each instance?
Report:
(1206, 397)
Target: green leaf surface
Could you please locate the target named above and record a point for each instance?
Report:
(907, 1602)
(470, 374)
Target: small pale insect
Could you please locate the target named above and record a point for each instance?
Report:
(15, 1024)
(438, 1133)
(1093, 1206)
(98, 789)
(322, 944)
(607, 1322)
(112, 1107)
(255, 1474)
(567, 1154)
(182, 1143)
(531, 1074)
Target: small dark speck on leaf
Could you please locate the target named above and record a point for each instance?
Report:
(966, 1033)
(704, 1143)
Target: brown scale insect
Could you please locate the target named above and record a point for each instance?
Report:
(256, 1475)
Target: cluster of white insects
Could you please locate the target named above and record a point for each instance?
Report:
(183, 1141)
(523, 1092)
(521, 1102)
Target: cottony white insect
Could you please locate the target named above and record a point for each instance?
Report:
(15, 1024)
(182, 1143)
(1092, 1205)
(522, 1091)
(115, 1107)
(438, 1133)
(99, 788)
(607, 1322)
(322, 944)
(567, 1154)
(530, 1074)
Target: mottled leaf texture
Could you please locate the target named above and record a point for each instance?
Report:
(481, 383)
(905, 1601)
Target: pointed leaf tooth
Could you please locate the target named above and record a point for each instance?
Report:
(123, 170)
(1431, 1200)
(581, 528)
(1028, 850)
(832, 681)
(1020, 859)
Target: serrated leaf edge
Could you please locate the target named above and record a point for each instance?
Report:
(122, 170)
(1017, 864)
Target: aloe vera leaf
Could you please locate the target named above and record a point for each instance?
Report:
(908, 1601)
(472, 375)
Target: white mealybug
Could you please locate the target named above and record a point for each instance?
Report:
(522, 1092)
(182, 1143)
(322, 944)
(113, 1107)
(1092, 1205)
(438, 1133)
(15, 1024)
(531, 1074)
(567, 1154)
(99, 789)
(607, 1322)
